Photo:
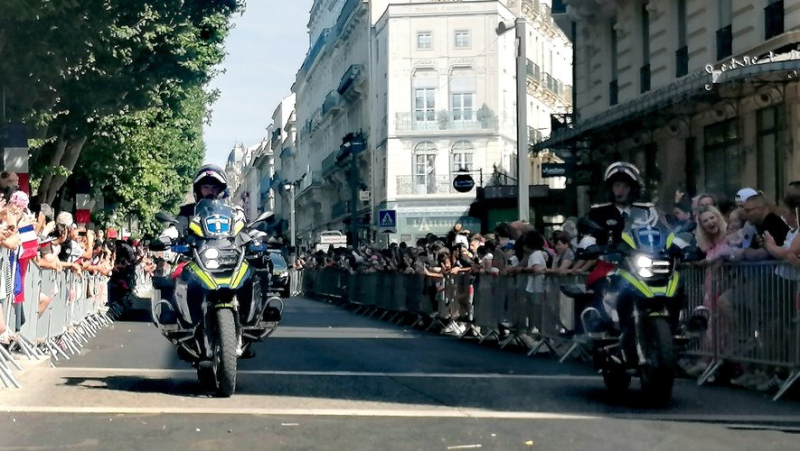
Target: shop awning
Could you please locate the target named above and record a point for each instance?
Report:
(769, 67)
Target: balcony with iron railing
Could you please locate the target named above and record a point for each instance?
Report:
(472, 120)
(433, 184)
(551, 83)
(773, 19)
(340, 209)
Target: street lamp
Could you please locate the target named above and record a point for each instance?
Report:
(523, 163)
(352, 145)
(291, 188)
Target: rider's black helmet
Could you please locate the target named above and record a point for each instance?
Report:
(210, 175)
(624, 172)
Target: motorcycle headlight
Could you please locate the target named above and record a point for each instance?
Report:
(645, 273)
(644, 262)
(211, 253)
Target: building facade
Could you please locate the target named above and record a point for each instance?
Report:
(701, 94)
(430, 89)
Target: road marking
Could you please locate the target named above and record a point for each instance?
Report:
(155, 371)
(444, 412)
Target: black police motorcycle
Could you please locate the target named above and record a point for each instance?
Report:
(219, 305)
(636, 324)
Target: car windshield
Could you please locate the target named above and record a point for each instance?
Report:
(278, 261)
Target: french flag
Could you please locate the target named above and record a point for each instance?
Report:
(29, 241)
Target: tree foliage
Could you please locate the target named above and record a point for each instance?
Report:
(143, 162)
(91, 72)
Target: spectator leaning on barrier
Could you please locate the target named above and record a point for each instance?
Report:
(790, 249)
(748, 229)
(756, 210)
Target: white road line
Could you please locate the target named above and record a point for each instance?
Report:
(409, 413)
(154, 371)
(444, 412)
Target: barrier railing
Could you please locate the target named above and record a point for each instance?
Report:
(61, 311)
(296, 281)
(753, 307)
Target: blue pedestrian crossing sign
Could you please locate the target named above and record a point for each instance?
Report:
(387, 221)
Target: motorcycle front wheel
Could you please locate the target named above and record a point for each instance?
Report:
(658, 376)
(225, 353)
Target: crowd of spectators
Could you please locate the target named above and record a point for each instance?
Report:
(748, 229)
(32, 233)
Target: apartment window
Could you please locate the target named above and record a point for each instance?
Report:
(721, 157)
(424, 40)
(461, 157)
(682, 54)
(462, 39)
(770, 171)
(613, 90)
(725, 32)
(773, 19)
(462, 105)
(425, 104)
(425, 168)
(644, 71)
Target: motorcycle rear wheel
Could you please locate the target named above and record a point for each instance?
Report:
(225, 353)
(658, 376)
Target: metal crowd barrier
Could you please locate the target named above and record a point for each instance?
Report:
(753, 310)
(754, 317)
(61, 312)
(296, 281)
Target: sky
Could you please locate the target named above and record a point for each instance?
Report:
(265, 50)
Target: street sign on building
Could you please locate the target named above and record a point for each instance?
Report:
(387, 221)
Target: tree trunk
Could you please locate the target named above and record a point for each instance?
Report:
(55, 161)
(71, 154)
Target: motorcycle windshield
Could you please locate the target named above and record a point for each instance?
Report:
(215, 217)
(648, 232)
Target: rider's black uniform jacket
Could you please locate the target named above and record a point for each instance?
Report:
(611, 218)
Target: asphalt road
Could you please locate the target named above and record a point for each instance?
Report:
(329, 379)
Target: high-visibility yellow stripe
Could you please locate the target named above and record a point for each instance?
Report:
(237, 280)
(672, 288)
(670, 239)
(196, 229)
(205, 278)
(627, 238)
(238, 227)
(643, 289)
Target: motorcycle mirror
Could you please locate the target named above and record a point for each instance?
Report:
(691, 254)
(161, 244)
(166, 218)
(592, 252)
(242, 239)
(687, 227)
(586, 224)
(267, 216)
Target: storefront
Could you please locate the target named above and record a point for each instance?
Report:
(714, 131)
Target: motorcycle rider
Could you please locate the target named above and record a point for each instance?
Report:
(211, 183)
(623, 183)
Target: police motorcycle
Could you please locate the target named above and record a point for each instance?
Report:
(220, 305)
(640, 323)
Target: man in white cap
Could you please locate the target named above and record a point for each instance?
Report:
(748, 229)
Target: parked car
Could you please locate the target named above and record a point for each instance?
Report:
(280, 274)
